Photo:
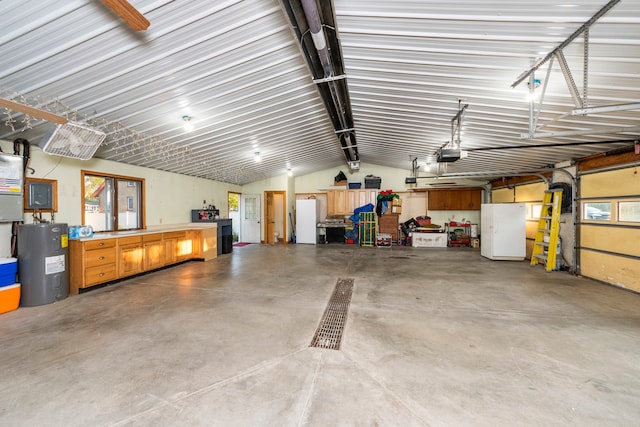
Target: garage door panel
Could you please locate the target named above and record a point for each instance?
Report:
(623, 182)
(530, 192)
(502, 195)
(611, 239)
(616, 270)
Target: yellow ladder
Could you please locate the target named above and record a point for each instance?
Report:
(545, 247)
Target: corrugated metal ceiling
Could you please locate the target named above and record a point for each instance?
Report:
(236, 68)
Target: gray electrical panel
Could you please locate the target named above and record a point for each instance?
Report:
(11, 188)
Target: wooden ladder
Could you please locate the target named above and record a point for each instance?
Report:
(545, 247)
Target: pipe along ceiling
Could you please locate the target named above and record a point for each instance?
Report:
(316, 31)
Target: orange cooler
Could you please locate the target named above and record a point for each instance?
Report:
(9, 297)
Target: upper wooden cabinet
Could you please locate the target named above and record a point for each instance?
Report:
(463, 199)
(344, 202)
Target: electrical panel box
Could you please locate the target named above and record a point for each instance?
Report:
(39, 195)
(11, 188)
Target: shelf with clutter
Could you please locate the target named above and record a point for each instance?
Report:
(459, 234)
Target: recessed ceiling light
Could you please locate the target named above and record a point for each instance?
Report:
(188, 124)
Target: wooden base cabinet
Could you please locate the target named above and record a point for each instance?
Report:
(96, 261)
(154, 251)
(129, 256)
(91, 263)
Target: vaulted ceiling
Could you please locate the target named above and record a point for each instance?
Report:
(241, 73)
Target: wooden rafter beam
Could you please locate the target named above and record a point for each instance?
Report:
(128, 14)
(32, 111)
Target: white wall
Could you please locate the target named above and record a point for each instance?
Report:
(169, 196)
(277, 183)
(391, 179)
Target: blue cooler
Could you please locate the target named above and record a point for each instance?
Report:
(8, 271)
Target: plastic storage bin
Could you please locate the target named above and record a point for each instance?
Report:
(372, 182)
(9, 297)
(8, 270)
(355, 184)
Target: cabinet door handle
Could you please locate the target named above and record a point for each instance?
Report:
(101, 274)
(101, 244)
(101, 258)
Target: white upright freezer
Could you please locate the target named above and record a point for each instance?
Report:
(503, 231)
(307, 217)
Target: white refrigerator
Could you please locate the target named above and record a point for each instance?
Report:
(503, 231)
(307, 217)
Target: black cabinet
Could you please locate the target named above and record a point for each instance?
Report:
(225, 236)
(225, 228)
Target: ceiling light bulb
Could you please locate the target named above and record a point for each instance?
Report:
(289, 172)
(258, 157)
(188, 125)
(532, 96)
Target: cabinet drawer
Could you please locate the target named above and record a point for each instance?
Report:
(174, 234)
(100, 244)
(129, 240)
(151, 238)
(98, 257)
(100, 274)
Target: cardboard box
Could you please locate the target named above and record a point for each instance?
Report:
(8, 270)
(9, 297)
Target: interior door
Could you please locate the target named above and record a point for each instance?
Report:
(270, 218)
(275, 216)
(250, 211)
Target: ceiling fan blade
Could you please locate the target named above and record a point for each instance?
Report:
(32, 111)
(128, 13)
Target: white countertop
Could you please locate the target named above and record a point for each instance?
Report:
(163, 228)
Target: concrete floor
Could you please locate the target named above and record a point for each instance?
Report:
(437, 337)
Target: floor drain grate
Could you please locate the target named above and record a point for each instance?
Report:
(329, 332)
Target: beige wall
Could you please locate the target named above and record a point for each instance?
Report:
(169, 196)
(277, 183)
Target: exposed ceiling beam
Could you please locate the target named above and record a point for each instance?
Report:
(33, 112)
(128, 14)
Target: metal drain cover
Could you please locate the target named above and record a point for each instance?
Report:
(329, 332)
